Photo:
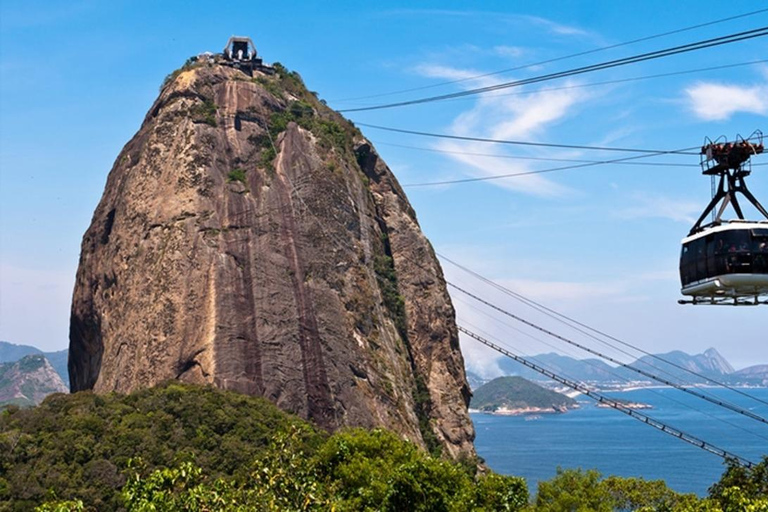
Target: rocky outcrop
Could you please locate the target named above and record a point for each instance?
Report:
(28, 381)
(251, 238)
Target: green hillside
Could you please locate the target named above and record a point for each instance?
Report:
(516, 393)
(157, 446)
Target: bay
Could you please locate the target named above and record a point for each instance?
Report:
(616, 444)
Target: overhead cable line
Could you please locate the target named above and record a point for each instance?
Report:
(621, 80)
(536, 158)
(538, 171)
(565, 319)
(715, 401)
(557, 59)
(676, 50)
(593, 365)
(528, 143)
(615, 404)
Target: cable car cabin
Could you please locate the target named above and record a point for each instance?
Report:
(727, 263)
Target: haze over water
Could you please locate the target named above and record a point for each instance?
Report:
(616, 444)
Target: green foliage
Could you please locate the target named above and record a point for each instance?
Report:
(189, 64)
(236, 174)
(585, 491)
(743, 489)
(356, 470)
(386, 276)
(204, 112)
(272, 86)
(331, 130)
(78, 446)
(378, 471)
(290, 81)
(61, 506)
(384, 266)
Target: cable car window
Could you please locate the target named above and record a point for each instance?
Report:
(700, 258)
(710, 255)
(760, 233)
(736, 241)
(688, 263)
(760, 254)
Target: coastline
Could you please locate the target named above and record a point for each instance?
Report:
(520, 411)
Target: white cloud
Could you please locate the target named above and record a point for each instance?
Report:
(675, 209)
(444, 72)
(500, 116)
(508, 51)
(558, 291)
(716, 102)
(556, 28)
(498, 17)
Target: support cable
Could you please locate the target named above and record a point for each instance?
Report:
(582, 388)
(653, 152)
(557, 59)
(536, 158)
(698, 45)
(718, 402)
(620, 161)
(564, 319)
(590, 363)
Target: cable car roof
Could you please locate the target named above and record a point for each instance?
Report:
(728, 225)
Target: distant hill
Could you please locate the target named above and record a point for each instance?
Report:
(10, 352)
(577, 369)
(516, 393)
(27, 381)
(709, 364)
(474, 380)
(756, 375)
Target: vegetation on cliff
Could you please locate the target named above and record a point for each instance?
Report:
(178, 444)
(184, 447)
(517, 393)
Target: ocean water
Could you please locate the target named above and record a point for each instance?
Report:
(616, 444)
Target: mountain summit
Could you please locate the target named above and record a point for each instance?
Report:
(251, 238)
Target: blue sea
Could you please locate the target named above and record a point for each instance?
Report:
(616, 444)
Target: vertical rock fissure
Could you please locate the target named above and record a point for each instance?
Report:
(386, 277)
(251, 347)
(319, 401)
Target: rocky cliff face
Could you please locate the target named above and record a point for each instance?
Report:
(27, 381)
(251, 238)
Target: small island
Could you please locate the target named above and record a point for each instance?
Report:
(513, 396)
(626, 403)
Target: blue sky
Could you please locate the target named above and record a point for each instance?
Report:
(599, 243)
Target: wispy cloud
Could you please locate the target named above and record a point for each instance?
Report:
(509, 51)
(675, 209)
(548, 25)
(717, 102)
(501, 116)
(556, 28)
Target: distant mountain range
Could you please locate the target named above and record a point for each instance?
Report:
(10, 353)
(708, 365)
